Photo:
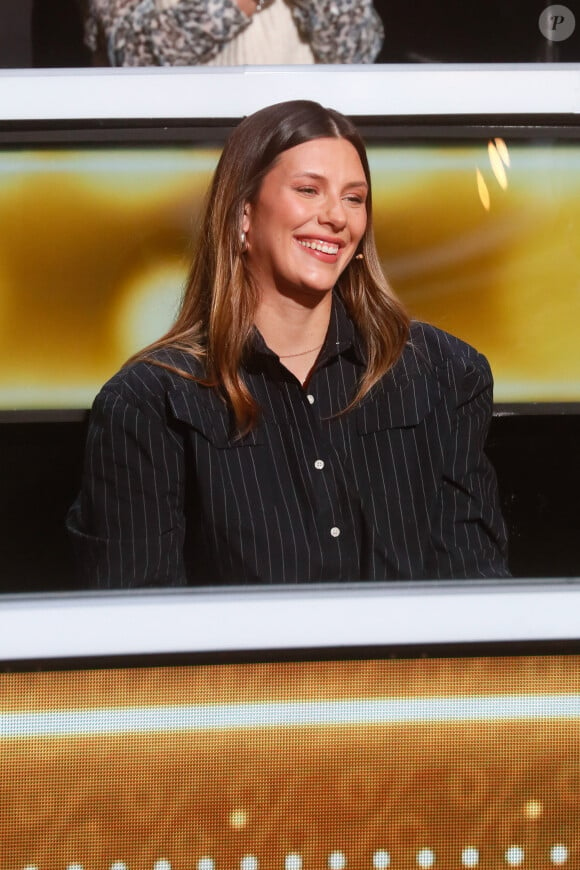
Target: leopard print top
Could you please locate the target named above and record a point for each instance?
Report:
(189, 32)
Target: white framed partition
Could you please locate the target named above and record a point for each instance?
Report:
(237, 619)
(363, 90)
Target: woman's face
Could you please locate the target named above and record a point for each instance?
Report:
(307, 220)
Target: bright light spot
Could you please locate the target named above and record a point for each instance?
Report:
(118, 865)
(74, 867)
(425, 858)
(497, 165)
(148, 306)
(502, 150)
(514, 856)
(559, 854)
(533, 809)
(381, 859)
(293, 862)
(336, 861)
(482, 190)
(470, 857)
(249, 862)
(238, 819)
(205, 864)
(162, 864)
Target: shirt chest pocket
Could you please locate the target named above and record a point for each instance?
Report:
(226, 475)
(406, 407)
(211, 420)
(403, 433)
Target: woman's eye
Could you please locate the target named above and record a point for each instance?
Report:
(310, 191)
(355, 198)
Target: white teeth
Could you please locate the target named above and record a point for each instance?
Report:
(324, 247)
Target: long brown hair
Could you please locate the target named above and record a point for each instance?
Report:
(217, 313)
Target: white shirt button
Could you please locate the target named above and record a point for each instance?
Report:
(335, 531)
(319, 464)
(310, 398)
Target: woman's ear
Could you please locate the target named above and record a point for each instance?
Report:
(246, 218)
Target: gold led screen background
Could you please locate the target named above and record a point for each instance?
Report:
(344, 765)
(480, 239)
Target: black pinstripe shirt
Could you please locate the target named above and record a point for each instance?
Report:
(398, 488)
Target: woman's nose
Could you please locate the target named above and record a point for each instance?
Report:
(333, 211)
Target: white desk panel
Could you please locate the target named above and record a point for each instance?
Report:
(277, 618)
(232, 92)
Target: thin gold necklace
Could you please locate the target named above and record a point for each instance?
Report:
(302, 352)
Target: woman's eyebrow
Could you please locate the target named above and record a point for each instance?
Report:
(317, 176)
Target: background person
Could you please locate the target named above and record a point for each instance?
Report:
(292, 425)
(230, 32)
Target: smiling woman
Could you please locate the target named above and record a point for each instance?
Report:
(292, 425)
(301, 232)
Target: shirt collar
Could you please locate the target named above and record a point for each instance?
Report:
(341, 337)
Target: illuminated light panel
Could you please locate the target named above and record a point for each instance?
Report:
(533, 809)
(426, 859)
(336, 861)
(514, 856)
(531, 245)
(559, 854)
(210, 717)
(238, 819)
(470, 857)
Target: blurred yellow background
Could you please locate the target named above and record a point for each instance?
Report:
(479, 239)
